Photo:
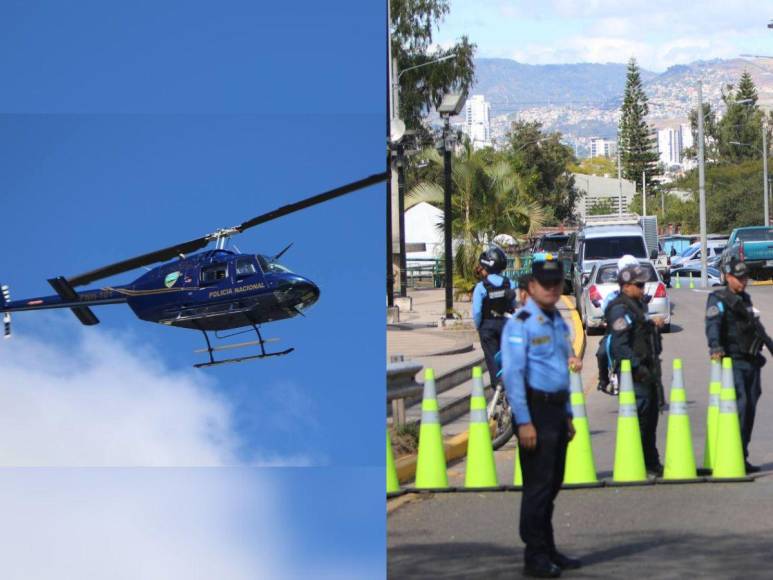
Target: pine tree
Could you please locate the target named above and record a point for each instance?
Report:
(638, 152)
(740, 130)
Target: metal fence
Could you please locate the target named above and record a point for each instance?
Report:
(429, 272)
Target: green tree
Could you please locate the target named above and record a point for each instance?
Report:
(602, 207)
(740, 130)
(543, 163)
(421, 89)
(489, 199)
(637, 147)
(710, 134)
(601, 166)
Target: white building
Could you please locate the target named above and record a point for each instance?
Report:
(477, 124)
(421, 227)
(603, 148)
(595, 189)
(670, 146)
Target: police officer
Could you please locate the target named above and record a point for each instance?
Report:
(603, 352)
(492, 300)
(730, 330)
(634, 337)
(536, 357)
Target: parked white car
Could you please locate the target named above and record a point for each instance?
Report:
(603, 281)
(692, 255)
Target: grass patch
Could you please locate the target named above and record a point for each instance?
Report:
(405, 439)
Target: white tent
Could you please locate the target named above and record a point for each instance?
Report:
(422, 223)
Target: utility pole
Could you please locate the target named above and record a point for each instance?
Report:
(619, 180)
(702, 188)
(644, 193)
(765, 171)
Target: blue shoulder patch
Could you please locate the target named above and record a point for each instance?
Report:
(523, 315)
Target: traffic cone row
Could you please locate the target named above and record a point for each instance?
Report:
(723, 453)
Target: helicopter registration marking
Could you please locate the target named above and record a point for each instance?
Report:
(237, 290)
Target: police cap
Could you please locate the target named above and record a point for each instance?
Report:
(546, 268)
(735, 267)
(632, 275)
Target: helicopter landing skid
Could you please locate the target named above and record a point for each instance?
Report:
(263, 354)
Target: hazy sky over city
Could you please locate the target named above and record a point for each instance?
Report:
(658, 33)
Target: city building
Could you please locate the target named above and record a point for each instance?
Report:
(477, 123)
(670, 146)
(603, 148)
(594, 189)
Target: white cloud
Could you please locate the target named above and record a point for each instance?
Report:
(153, 524)
(99, 399)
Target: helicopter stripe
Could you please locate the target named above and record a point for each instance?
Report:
(127, 292)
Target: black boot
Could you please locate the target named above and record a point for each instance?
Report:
(564, 562)
(541, 567)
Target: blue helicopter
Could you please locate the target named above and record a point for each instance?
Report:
(212, 291)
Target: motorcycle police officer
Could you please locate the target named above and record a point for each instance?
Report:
(731, 331)
(634, 337)
(492, 300)
(536, 357)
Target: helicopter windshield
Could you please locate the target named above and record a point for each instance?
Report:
(269, 265)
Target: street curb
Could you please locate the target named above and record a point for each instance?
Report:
(455, 448)
(761, 283)
(578, 344)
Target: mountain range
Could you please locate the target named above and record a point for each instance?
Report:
(583, 100)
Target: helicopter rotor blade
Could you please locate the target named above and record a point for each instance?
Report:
(280, 254)
(139, 261)
(199, 243)
(311, 201)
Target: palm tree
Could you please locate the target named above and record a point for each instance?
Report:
(490, 198)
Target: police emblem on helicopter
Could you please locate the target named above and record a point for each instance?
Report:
(212, 291)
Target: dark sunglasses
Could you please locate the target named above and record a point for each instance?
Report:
(639, 284)
(551, 283)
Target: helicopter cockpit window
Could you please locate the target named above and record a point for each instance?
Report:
(245, 267)
(214, 273)
(269, 265)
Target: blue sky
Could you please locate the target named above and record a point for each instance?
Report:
(128, 127)
(659, 33)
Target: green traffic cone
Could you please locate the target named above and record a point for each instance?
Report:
(629, 455)
(481, 469)
(431, 459)
(580, 467)
(730, 460)
(680, 459)
(712, 416)
(392, 483)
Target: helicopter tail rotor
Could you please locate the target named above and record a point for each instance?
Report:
(6, 298)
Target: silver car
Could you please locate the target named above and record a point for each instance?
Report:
(603, 281)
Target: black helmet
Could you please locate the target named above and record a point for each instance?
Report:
(494, 260)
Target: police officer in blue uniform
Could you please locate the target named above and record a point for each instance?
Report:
(731, 331)
(634, 337)
(493, 299)
(536, 358)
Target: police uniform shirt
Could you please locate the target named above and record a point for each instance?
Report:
(621, 321)
(479, 294)
(716, 312)
(535, 351)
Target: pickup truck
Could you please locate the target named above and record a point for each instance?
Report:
(753, 245)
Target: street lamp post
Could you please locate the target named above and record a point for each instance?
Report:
(702, 189)
(451, 105)
(398, 168)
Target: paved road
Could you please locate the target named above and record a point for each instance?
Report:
(705, 529)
